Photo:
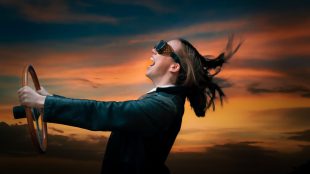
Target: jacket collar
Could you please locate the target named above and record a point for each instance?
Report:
(172, 89)
(163, 86)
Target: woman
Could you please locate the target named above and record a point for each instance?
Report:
(143, 130)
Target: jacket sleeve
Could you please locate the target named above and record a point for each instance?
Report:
(151, 114)
(60, 96)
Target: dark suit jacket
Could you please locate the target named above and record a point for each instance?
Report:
(143, 130)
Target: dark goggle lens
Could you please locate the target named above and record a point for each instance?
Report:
(160, 46)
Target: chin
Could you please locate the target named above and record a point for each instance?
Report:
(147, 74)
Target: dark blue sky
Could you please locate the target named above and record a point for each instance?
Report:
(68, 20)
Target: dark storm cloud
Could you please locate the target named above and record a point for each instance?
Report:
(295, 67)
(156, 6)
(55, 11)
(8, 89)
(223, 82)
(66, 20)
(70, 156)
(140, 15)
(287, 89)
(282, 15)
(242, 157)
(300, 135)
(294, 77)
(297, 117)
(16, 142)
(285, 64)
(307, 95)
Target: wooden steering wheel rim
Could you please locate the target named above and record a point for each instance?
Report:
(39, 139)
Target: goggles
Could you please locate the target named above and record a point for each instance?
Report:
(163, 48)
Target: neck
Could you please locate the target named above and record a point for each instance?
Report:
(162, 84)
(163, 81)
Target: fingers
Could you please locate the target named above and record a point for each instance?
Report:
(23, 99)
(26, 95)
(24, 89)
(22, 94)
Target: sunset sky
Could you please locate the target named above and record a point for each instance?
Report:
(100, 50)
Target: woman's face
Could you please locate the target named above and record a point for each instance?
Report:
(161, 63)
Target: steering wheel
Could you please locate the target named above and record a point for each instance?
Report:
(36, 125)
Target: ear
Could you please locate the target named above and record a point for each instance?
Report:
(175, 67)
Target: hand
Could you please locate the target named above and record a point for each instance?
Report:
(43, 91)
(28, 97)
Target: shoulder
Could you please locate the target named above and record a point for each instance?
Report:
(166, 101)
(163, 100)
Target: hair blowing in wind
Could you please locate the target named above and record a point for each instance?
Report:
(196, 75)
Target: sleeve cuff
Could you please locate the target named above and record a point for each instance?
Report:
(48, 107)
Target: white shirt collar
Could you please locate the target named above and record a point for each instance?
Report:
(162, 86)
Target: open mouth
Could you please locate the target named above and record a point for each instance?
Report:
(153, 62)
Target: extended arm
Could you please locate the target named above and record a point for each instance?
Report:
(154, 113)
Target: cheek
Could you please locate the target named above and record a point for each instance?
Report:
(162, 65)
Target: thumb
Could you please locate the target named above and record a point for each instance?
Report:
(41, 88)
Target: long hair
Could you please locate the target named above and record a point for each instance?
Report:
(195, 74)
